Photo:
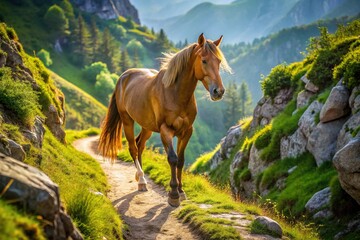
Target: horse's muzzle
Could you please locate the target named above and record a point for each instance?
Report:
(216, 93)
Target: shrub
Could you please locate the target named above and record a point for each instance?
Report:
(321, 72)
(90, 72)
(18, 97)
(349, 69)
(45, 57)
(56, 20)
(279, 78)
(104, 86)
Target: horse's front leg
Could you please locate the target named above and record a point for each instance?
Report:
(182, 143)
(167, 135)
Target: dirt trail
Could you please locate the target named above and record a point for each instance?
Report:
(147, 214)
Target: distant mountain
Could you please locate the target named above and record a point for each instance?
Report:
(245, 20)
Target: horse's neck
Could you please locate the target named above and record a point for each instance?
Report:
(185, 86)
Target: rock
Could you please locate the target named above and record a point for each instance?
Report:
(4, 145)
(247, 190)
(16, 150)
(323, 214)
(307, 120)
(347, 163)
(54, 122)
(336, 105)
(318, 201)
(322, 140)
(216, 160)
(256, 164)
(311, 87)
(268, 108)
(354, 99)
(293, 145)
(352, 227)
(36, 133)
(269, 224)
(230, 141)
(303, 98)
(239, 161)
(305, 79)
(109, 9)
(345, 134)
(291, 170)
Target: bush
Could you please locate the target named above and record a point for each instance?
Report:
(279, 78)
(45, 57)
(90, 72)
(18, 97)
(104, 86)
(56, 20)
(349, 69)
(321, 72)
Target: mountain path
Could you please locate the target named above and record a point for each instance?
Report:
(147, 214)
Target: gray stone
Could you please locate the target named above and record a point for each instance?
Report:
(345, 134)
(323, 214)
(356, 106)
(303, 98)
(216, 160)
(36, 133)
(322, 140)
(291, 170)
(256, 164)
(16, 150)
(305, 79)
(270, 225)
(35, 192)
(354, 99)
(347, 163)
(318, 201)
(336, 105)
(230, 141)
(55, 122)
(238, 162)
(307, 120)
(293, 145)
(311, 87)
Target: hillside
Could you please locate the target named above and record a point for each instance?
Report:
(252, 19)
(37, 165)
(299, 153)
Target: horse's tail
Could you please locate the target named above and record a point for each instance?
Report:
(111, 131)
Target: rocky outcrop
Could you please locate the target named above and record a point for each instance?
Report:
(37, 194)
(36, 133)
(109, 9)
(293, 145)
(256, 164)
(347, 163)
(309, 86)
(307, 120)
(55, 123)
(318, 201)
(322, 140)
(354, 100)
(303, 98)
(270, 225)
(268, 108)
(336, 105)
(11, 148)
(348, 131)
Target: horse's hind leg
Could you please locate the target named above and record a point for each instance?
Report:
(128, 125)
(140, 143)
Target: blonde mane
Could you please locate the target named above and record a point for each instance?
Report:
(174, 63)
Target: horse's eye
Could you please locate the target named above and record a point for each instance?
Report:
(204, 61)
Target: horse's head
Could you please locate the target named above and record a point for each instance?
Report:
(209, 59)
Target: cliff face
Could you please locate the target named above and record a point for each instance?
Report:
(108, 9)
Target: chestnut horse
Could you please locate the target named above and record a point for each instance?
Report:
(163, 102)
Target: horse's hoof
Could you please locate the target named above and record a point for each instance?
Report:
(136, 176)
(182, 196)
(142, 187)
(174, 202)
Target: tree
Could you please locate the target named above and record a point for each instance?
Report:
(56, 21)
(108, 52)
(125, 62)
(90, 72)
(69, 13)
(104, 86)
(245, 100)
(162, 41)
(44, 57)
(94, 39)
(81, 43)
(232, 111)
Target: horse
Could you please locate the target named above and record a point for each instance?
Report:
(162, 101)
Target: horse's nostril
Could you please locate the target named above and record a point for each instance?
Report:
(215, 91)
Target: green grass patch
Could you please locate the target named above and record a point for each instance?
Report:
(72, 135)
(201, 164)
(18, 225)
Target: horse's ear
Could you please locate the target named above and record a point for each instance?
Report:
(217, 42)
(201, 40)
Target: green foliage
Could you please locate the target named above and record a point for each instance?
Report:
(18, 97)
(245, 175)
(341, 203)
(263, 139)
(72, 135)
(81, 43)
(349, 69)
(90, 72)
(56, 20)
(201, 164)
(18, 225)
(105, 85)
(278, 78)
(44, 57)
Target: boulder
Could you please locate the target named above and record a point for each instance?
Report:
(256, 164)
(307, 120)
(323, 214)
(216, 160)
(293, 145)
(354, 99)
(311, 87)
(318, 201)
(230, 141)
(322, 140)
(347, 163)
(347, 131)
(37, 194)
(16, 150)
(336, 105)
(36, 133)
(54, 122)
(239, 161)
(270, 225)
(303, 98)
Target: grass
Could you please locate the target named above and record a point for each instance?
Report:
(18, 225)
(201, 165)
(200, 191)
